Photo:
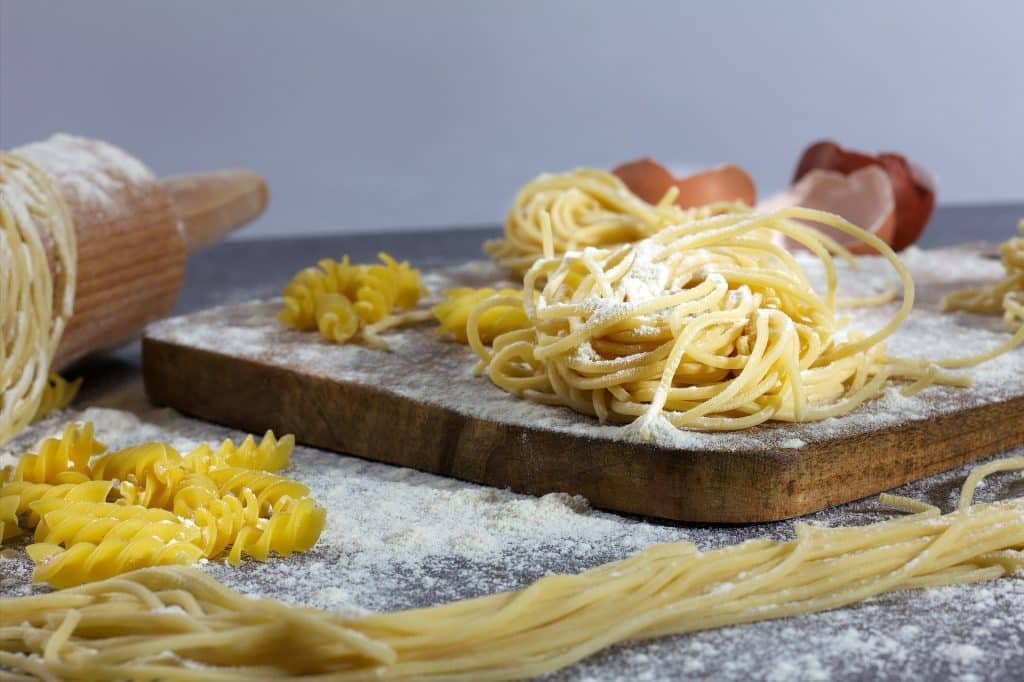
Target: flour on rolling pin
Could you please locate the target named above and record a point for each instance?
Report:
(134, 232)
(91, 173)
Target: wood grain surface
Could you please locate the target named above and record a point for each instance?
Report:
(134, 233)
(421, 407)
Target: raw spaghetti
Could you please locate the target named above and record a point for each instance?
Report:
(35, 305)
(1005, 296)
(173, 623)
(710, 324)
(587, 207)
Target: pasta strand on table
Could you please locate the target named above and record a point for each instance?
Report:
(176, 623)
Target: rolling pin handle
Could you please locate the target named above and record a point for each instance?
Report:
(213, 204)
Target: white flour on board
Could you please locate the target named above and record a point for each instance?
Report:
(425, 370)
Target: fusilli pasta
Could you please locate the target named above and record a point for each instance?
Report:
(58, 457)
(57, 394)
(342, 300)
(97, 514)
(453, 313)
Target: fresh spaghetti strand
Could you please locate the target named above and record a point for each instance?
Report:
(585, 207)
(35, 303)
(176, 623)
(1005, 296)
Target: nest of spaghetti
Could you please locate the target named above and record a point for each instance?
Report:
(710, 324)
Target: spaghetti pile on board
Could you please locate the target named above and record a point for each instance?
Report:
(710, 324)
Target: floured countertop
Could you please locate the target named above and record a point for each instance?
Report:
(398, 538)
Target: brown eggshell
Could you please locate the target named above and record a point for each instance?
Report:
(865, 197)
(913, 188)
(645, 178)
(914, 199)
(650, 180)
(830, 156)
(723, 184)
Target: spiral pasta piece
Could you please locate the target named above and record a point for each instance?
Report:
(270, 489)
(26, 496)
(387, 287)
(9, 526)
(149, 473)
(343, 301)
(587, 207)
(69, 524)
(328, 277)
(221, 519)
(336, 317)
(295, 527)
(87, 562)
(270, 454)
(57, 394)
(137, 462)
(66, 457)
(453, 313)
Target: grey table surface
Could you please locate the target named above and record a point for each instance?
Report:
(244, 269)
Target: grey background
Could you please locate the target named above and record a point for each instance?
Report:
(392, 114)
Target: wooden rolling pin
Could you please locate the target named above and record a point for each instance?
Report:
(134, 234)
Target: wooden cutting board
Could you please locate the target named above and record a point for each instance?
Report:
(420, 405)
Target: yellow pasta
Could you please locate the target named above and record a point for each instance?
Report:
(177, 624)
(99, 514)
(587, 207)
(38, 264)
(270, 454)
(67, 457)
(343, 301)
(270, 489)
(26, 496)
(328, 277)
(67, 524)
(336, 317)
(1006, 296)
(708, 324)
(9, 525)
(58, 394)
(293, 527)
(453, 313)
(221, 519)
(149, 473)
(155, 545)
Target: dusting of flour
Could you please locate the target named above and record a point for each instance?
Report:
(398, 538)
